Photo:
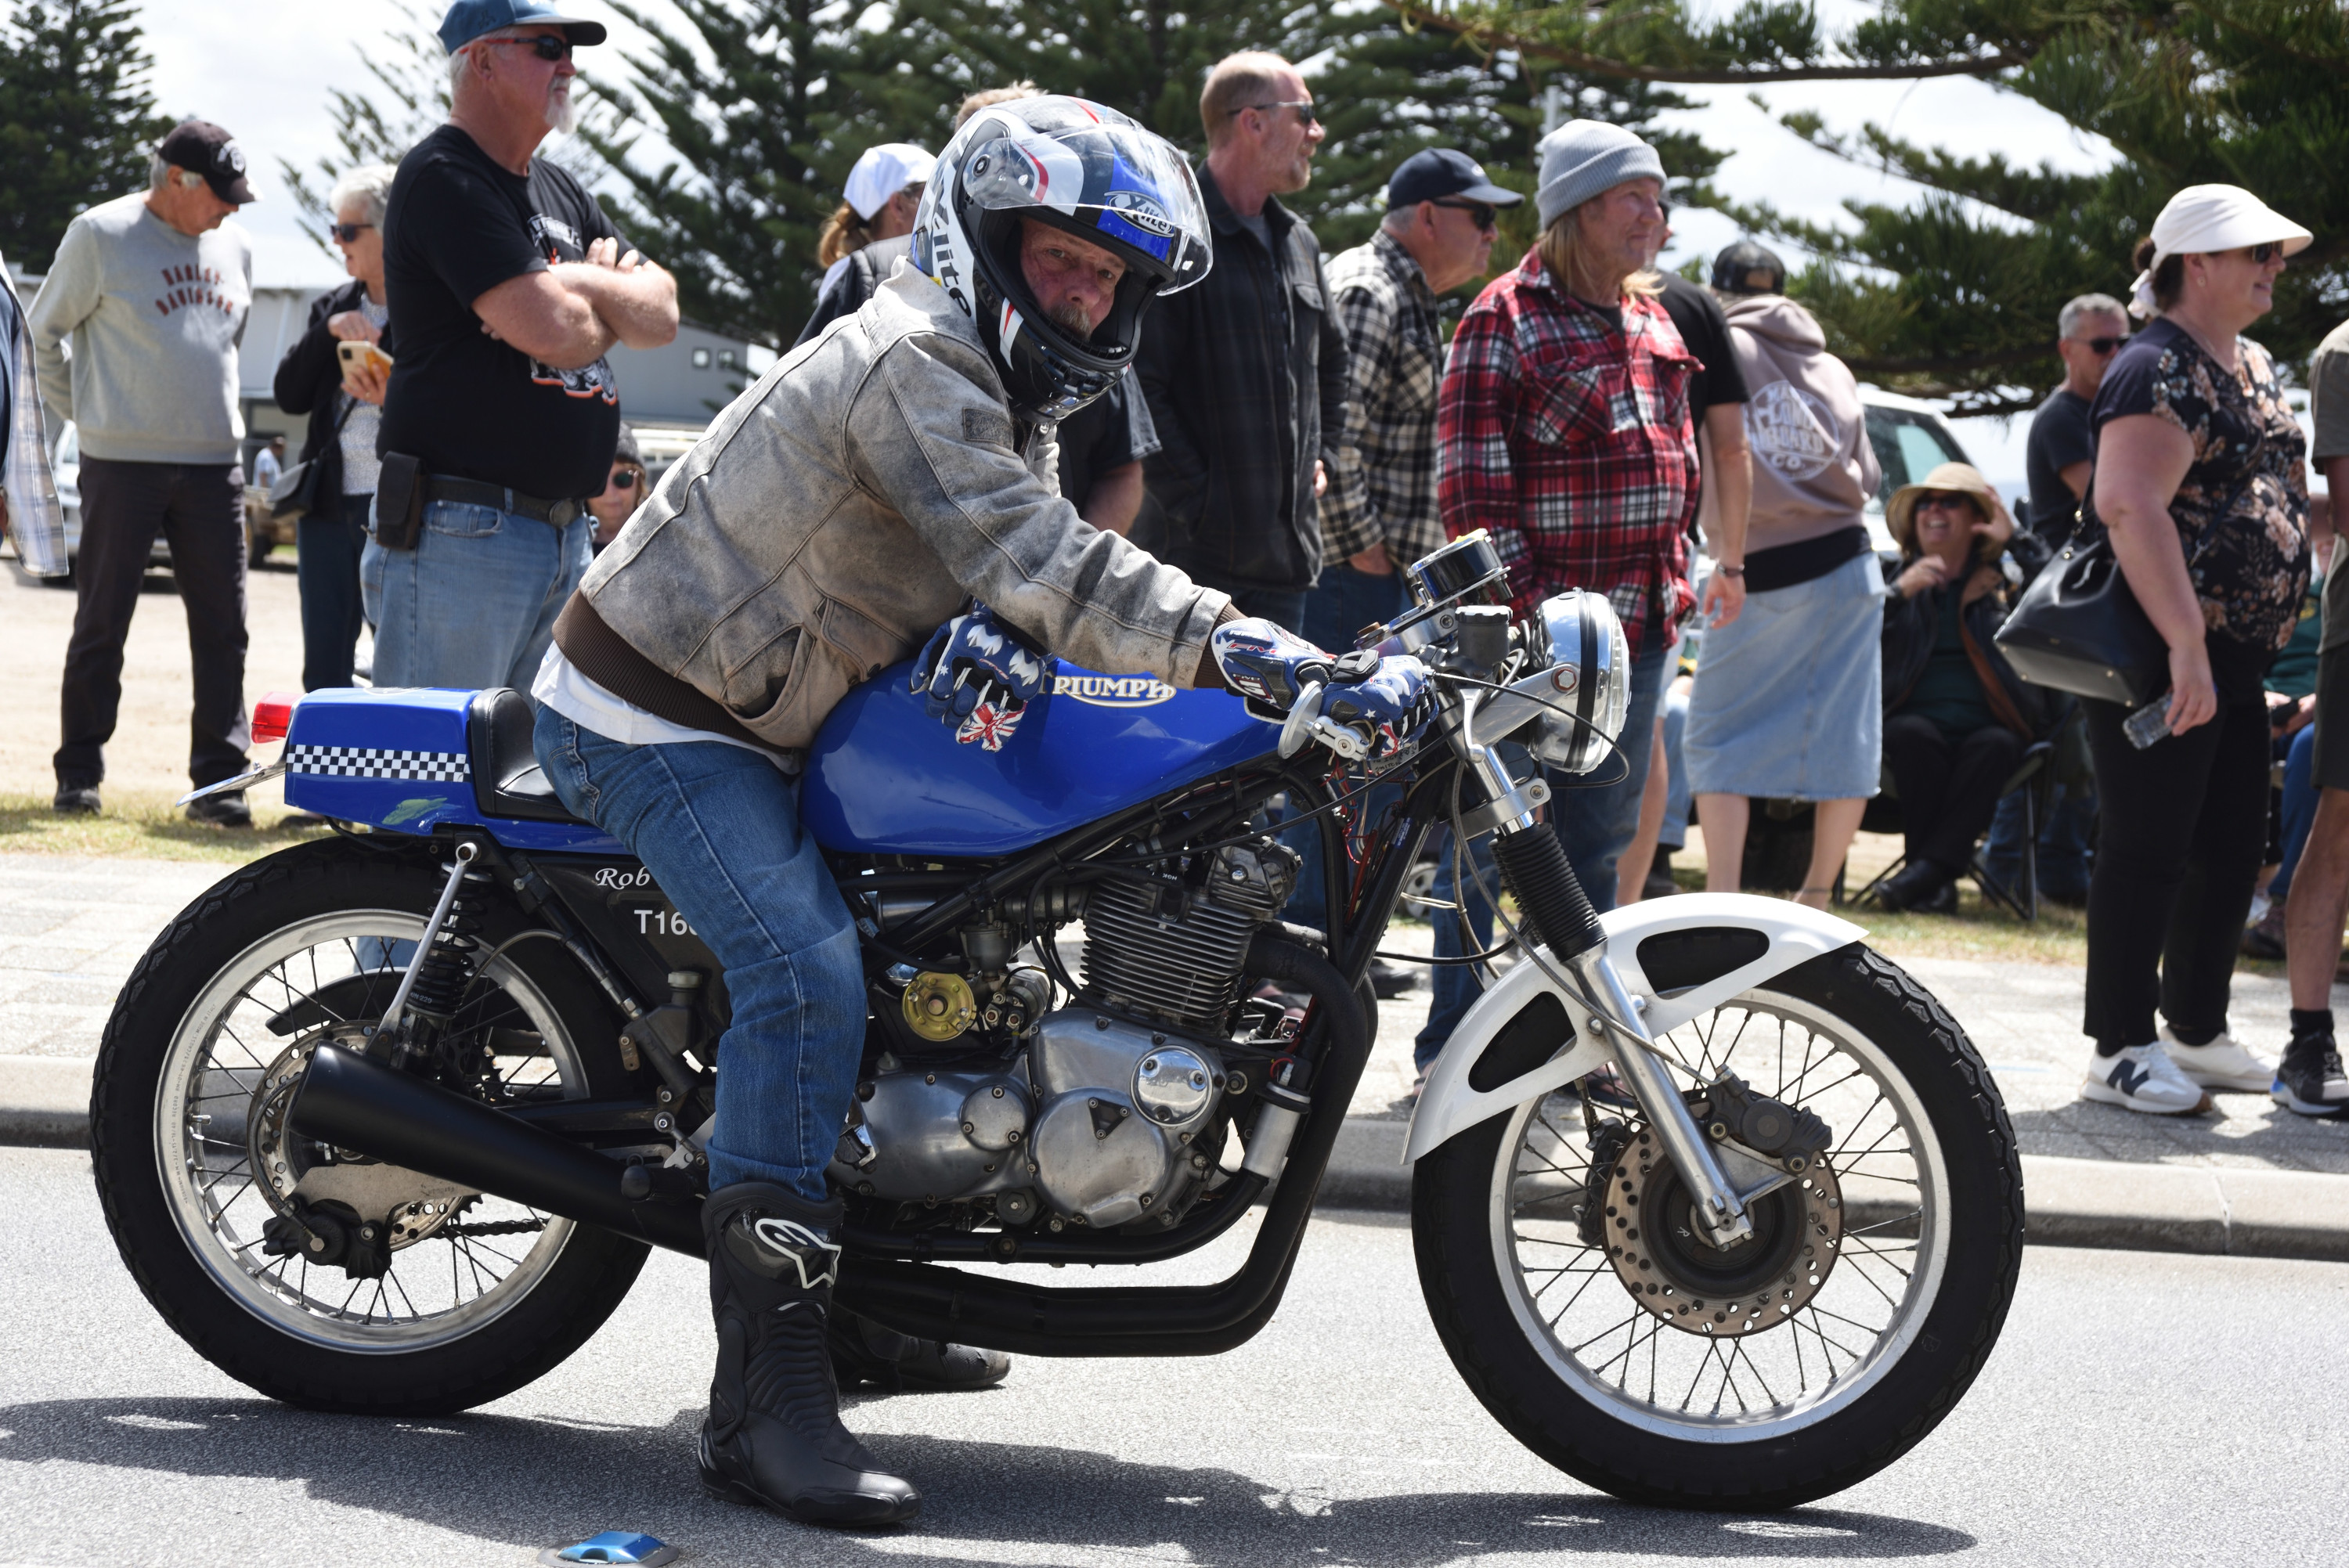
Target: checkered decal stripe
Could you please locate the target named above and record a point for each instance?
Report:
(365, 762)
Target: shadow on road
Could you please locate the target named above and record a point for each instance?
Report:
(532, 1482)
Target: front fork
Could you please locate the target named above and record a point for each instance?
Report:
(1537, 872)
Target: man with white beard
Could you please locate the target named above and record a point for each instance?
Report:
(507, 287)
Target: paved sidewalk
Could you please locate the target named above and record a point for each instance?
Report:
(2252, 1178)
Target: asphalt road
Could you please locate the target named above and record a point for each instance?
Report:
(2141, 1409)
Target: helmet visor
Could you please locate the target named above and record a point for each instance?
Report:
(1118, 180)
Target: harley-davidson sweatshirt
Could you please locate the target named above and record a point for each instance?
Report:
(135, 332)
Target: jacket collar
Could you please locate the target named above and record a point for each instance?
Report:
(1278, 219)
(1531, 274)
(1401, 266)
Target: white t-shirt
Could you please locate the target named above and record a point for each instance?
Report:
(561, 687)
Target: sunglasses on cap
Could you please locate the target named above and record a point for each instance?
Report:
(2103, 345)
(1306, 113)
(349, 233)
(1484, 214)
(545, 45)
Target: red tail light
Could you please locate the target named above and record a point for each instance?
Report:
(273, 716)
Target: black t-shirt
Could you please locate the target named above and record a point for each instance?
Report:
(456, 226)
(1705, 330)
(2060, 437)
(1098, 437)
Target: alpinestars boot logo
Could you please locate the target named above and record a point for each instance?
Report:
(802, 1247)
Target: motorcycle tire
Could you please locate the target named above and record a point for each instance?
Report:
(1499, 1207)
(285, 1342)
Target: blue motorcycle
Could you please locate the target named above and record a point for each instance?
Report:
(1713, 1206)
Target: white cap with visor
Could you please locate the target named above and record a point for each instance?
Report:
(2202, 220)
(882, 172)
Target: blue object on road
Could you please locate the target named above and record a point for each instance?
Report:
(613, 1546)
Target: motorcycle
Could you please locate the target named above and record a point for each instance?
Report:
(387, 1123)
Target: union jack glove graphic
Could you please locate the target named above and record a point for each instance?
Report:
(980, 676)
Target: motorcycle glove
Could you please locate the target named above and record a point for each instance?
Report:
(1367, 705)
(980, 676)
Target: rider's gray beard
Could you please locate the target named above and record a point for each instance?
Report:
(561, 114)
(1070, 318)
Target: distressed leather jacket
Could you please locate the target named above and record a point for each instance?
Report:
(842, 508)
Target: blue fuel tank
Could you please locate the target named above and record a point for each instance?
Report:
(884, 778)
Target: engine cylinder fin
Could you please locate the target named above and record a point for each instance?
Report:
(1186, 967)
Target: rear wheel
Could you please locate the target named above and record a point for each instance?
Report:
(464, 1297)
(1576, 1293)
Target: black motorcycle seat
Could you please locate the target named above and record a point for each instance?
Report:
(507, 779)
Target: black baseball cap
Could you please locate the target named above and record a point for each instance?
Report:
(200, 146)
(1746, 268)
(1441, 172)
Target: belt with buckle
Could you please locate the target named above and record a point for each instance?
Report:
(472, 492)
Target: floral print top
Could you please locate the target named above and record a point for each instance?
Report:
(2242, 510)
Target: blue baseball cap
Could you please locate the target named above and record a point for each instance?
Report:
(1442, 172)
(468, 19)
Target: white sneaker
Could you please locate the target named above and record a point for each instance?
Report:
(2221, 1064)
(2143, 1078)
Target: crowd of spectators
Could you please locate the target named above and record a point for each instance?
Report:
(1294, 432)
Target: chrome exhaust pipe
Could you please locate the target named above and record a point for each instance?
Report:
(353, 1102)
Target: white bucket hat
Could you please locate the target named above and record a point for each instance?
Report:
(2202, 219)
(882, 172)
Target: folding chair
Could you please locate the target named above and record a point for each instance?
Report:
(2034, 776)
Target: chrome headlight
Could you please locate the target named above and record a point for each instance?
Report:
(1589, 674)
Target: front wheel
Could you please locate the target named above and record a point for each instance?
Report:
(1568, 1281)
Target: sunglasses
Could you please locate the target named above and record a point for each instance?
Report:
(2101, 345)
(1484, 214)
(625, 479)
(349, 233)
(1949, 500)
(545, 45)
(1306, 114)
(2262, 254)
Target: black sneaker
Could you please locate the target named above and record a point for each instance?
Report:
(2309, 1080)
(226, 810)
(1919, 884)
(75, 801)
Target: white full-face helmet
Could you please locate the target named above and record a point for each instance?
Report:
(1090, 171)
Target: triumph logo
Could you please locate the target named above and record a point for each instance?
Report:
(1114, 691)
(617, 877)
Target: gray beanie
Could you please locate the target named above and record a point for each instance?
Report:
(1587, 158)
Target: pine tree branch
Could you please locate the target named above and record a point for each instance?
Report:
(1490, 39)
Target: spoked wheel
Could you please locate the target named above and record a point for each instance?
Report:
(433, 1297)
(1581, 1301)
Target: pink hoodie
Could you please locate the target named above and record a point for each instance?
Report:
(1814, 468)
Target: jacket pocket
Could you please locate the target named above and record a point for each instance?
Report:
(1577, 406)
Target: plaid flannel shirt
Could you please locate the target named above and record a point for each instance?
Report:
(1382, 489)
(1571, 444)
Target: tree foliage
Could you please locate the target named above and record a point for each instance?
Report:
(412, 69)
(1956, 295)
(76, 121)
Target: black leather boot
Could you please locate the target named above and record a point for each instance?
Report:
(773, 1438)
(862, 1351)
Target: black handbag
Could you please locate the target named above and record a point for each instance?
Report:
(295, 494)
(2078, 628)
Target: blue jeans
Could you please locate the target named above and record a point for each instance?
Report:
(326, 565)
(718, 828)
(1340, 604)
(473, 604)
(2299, 810)
(2063, 841)
(1673, 834)
(1593, 824)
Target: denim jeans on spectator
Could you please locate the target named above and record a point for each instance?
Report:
(2063, 840)
(199, 510)
(1673, 834)
(473, 604)
(1283, 607)
(1341, 603)
(326, 565)
(718, 828)
(1593, 824)
(2299, 810)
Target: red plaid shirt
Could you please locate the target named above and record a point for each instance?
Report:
(1570, 443)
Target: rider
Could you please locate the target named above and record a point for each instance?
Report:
(871, 484)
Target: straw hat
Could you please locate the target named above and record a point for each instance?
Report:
(1900, 512)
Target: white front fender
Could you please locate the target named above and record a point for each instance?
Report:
(1451, 1104)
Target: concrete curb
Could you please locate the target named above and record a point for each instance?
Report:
(45, 1104)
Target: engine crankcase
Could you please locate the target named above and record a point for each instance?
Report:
(931, 1135)
(1122, 1105)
